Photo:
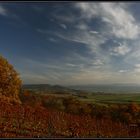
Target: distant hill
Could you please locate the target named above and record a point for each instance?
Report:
(84, 89)
(109, 88)
(47, 88)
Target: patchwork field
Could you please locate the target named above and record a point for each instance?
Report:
(112, 98)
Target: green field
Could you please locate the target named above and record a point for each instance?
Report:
(111, 98)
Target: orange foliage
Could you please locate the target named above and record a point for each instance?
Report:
(10, 82)
(27, 121)
(134, 108)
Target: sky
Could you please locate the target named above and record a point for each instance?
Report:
(72, 43)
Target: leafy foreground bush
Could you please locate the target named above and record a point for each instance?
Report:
(10, 82)
(26, 121)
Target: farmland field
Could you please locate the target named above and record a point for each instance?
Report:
(112, 98)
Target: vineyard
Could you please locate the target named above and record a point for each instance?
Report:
(19, 121)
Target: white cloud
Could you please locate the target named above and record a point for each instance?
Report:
(63, 26)
(70, 65)
(65, 18)
(134, 56)
(88, 10)
(137, 65)
(123, 49)
(98, 62)
(71, 38)
(41, 31)
(90, 38)
(52, 40)
(82, 26)
(120, 21)
(93, 32)
(123, 71)
(135, 71)
(3, 11)
(137, 68)
(93, 41)
(97, 75)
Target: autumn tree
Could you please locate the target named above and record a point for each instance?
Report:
(10, 82)
(133, 108)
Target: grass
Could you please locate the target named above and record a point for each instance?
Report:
(112, 98)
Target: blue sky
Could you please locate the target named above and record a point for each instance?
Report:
(72, 43)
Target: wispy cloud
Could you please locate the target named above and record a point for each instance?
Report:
(120, 50)
(3, 11)
(37, 8)
(82, 26)
(63, 26)
(71, 65)
(123, 71)
(64, 18)
(137, 68)
(84, 36)
(98, 62)
(119, 20)
(52, 39)
(105, 30)
(93, 32)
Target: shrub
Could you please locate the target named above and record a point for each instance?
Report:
(10, 82)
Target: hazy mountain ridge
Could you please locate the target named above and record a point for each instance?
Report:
(109, 88)
(77, 89)
(47, 88)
